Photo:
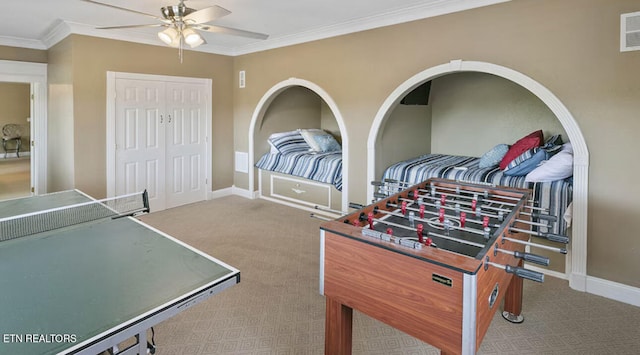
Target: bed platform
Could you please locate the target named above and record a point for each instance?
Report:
(300, 173)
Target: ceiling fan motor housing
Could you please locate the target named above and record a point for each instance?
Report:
(176, 12)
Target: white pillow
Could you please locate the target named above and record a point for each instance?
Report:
(309, 137)
(558, 167)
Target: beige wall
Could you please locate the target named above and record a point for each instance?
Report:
(60, 124)
(405, 134)
(487, 109)
(16, 108)
(571, 47)
(92, 58)
(23, 54)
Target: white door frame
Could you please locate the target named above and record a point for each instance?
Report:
(36, 75)
(577, 259)
(111, 121)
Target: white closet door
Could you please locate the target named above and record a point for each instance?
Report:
(185, 143)
(140, 139)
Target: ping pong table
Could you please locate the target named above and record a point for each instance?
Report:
(85, 288)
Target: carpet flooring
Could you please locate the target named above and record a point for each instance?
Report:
(276, 308)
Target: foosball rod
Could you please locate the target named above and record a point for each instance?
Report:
(541, 246)
(548, 236)
(486, 194)
(470, 230)
(458, 240)
(518, 271)
(538, 215)
(532, 258)
(545, 217)
(482, 214)
(527, 206)
(482, 205)
(323, 218)
(412, 192)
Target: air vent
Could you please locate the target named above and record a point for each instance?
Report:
(630, 32)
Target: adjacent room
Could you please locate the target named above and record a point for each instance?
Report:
(221, 177)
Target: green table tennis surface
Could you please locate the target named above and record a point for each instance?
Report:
(70, 286)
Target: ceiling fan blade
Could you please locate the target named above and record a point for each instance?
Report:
(230, 31)
(130, 26)
(125, 9)
(207, 14)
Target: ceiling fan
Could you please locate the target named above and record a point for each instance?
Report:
(182, 24)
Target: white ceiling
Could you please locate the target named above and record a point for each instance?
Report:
(40, 24)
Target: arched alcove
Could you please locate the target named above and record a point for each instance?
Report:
(262, 108)
(576, 259)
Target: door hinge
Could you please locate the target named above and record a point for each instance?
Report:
(33, 189)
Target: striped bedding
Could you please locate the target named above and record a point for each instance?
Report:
(555, 196)
(322, 167)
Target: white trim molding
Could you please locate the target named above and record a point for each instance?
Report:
(261, 109)
(577, 260)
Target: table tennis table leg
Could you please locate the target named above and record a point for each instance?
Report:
(141, 347)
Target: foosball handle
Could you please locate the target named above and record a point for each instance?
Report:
(524, 273)
(532, 258)
(547, 217)
(355, 206)
(558, 238)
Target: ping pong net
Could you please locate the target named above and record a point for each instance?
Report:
(47, 220)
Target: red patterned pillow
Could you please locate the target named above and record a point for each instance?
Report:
(525, 143)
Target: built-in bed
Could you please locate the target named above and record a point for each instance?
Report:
(303, 168)
(544, 168)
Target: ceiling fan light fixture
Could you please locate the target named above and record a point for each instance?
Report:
(169, 36)
(192, 37)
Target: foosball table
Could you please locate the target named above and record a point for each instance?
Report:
(435, 260)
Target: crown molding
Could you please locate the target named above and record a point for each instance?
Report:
(408, 14)
(22, 43)
(62, 29)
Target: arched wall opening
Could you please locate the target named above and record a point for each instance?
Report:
(575, 269)
(256, 138)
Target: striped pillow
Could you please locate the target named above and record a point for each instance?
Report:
(526, 162)
(288, 142)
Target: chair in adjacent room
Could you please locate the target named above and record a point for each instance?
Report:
(11, 133)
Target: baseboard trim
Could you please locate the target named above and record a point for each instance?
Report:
(244, 193)
(220, 193)
(613, 290)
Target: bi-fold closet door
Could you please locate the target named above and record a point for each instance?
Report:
(160, 134)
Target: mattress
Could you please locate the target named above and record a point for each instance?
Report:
(321, 167)
(554, 196)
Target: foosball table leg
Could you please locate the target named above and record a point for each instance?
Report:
(513, 300)
(338, 328)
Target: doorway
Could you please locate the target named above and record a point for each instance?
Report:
(15, 161)
(23, 87)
